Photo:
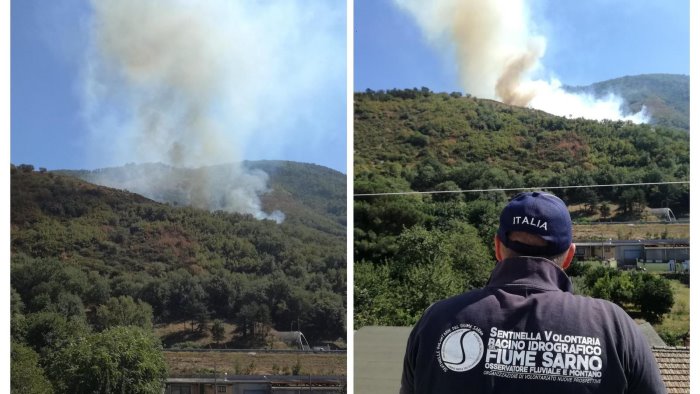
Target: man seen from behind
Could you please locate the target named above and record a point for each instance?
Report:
(526, 332)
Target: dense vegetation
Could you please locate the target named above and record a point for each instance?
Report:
(665, 96)
(88, 260)
(647, 293)
(642, 294)
(411, 250)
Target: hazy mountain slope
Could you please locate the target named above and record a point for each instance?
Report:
(666, 96)
(321, 191)
(305, 193)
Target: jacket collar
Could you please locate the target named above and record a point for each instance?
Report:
(532, 272)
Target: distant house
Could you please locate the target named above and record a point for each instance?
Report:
(629, 252)
(252, 384)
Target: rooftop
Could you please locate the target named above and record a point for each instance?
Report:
(646, 242)
(276, 380)
(674, 363)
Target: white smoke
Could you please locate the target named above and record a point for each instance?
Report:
(204, 187)
(498, 52)
(194, 83)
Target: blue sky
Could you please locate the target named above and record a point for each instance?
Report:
(587, 41)
(56, 124)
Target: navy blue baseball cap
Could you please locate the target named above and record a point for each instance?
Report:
(541, 214)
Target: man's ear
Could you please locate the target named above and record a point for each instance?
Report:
(497, 248)
(569, 256)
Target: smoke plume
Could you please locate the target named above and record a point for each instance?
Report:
(194, 84)
(498, 52)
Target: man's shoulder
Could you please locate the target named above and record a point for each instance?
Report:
(485, 299)
(456, 302)
(596, 303)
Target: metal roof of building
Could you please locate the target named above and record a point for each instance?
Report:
(271, 379)
(645, 242)
(651, 335)
(379, 355)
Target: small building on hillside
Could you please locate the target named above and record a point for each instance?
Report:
(665, 214)
(292, 338)
(630, 252)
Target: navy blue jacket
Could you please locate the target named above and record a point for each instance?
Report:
(526, 332)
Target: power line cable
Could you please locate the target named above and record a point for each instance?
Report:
(517, 188)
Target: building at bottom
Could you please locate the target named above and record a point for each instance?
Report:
(256, 384)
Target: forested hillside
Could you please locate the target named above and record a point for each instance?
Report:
(665, 96)
(411, 250)
(86, 259)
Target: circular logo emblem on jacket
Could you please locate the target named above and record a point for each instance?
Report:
(460, 348)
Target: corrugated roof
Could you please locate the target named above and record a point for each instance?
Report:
(379, 355)
(674, 363)
(680, 242)
(276, 380)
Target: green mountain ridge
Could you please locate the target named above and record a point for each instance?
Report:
(76, 245)
(413, 249)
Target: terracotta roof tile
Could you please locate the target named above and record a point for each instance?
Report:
(674, 363)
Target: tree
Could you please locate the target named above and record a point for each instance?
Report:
(69, 305)
(202, 319)
(325, 318)
(632, 201)
(119, 359)
(26, 376)
(187, 298)
(654, 296)
(123, 311)
(373, 294)
(98, 291)
(253, 323)
(223, 292)
(18, 322)
(157, 294)
(218, 331)
(616, 286)
(51, 330)
(424, 285)
(26, 168)
(590, 200)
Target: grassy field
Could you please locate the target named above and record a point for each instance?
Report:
(188, 363)
(179, 333)
(656, 267)
(184, 336)
(592, 227)
(194, 363)
(600, 231)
